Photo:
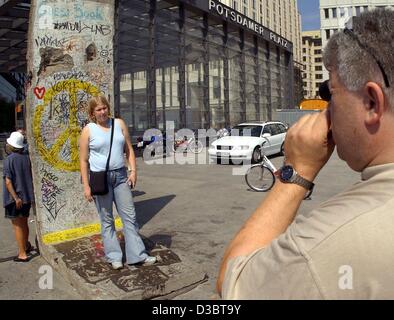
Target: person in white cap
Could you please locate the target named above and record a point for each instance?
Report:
(18, 193)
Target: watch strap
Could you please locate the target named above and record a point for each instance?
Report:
(303, 182)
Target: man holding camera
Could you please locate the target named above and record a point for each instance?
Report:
(278, 254)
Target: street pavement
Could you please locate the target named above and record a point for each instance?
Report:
(192, 209)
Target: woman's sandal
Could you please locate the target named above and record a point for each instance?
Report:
(17, 259)
(29, 247)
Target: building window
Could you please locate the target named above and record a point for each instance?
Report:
(326, 14)
(304, 59)
(216, 87)
(334, 12)
(327, 34)
(318, 60)
(319, 77)
(318, 68)
(235, 7)
(358, 11)
(304, 50)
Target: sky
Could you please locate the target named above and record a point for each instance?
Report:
(310, 15)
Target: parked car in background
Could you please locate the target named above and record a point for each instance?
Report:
(246, 141)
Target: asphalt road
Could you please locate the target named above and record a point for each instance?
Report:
(194, 209)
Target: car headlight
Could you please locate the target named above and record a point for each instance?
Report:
(242, 148)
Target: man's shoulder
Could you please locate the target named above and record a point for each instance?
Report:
(324, 223)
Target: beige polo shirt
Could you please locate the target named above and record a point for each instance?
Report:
(342, 250)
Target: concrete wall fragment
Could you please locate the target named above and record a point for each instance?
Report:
(70, 59)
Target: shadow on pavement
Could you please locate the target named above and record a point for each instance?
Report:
(147, 209)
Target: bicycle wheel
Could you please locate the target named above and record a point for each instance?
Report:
(196, 146)
(260, 178)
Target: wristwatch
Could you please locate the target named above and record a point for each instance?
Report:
(287, 174)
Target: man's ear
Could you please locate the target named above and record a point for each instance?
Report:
(374, 102)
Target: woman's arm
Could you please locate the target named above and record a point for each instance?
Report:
(84, 162)
(132, 180)
(11, 190)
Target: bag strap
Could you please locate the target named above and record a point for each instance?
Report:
(110, 146)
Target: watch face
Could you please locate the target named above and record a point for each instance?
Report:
(286, 173)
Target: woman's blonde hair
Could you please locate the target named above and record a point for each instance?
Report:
(94, 102)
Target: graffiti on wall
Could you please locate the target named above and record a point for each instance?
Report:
(59, 120)
(73, 58)
(51, 194)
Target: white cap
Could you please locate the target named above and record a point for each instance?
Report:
(16, 140)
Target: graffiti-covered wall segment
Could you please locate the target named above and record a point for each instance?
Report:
(70, 59)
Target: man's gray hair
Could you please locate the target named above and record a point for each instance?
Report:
(354, 64)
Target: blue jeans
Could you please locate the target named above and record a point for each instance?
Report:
(120, 193)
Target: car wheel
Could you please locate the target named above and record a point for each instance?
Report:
(256, 155)
(282, 149)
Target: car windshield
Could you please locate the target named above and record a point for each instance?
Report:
(246, 131)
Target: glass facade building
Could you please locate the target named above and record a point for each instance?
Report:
(198, 64)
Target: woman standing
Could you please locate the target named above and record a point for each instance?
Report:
(18, 193)
(94, 150)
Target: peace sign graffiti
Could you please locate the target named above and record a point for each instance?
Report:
(71, 133)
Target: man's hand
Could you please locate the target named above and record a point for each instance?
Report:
(88, 194)
(132, 179)
(309, 144)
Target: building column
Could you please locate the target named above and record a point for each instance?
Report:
(132, 99)
(256, 76)
(163, 97)
(278, 61)
(117, 76)
(181, 68)
(206, 114)
(151, 74)
(268, 57)
(290, 93)
(243, 75)
(226, 77)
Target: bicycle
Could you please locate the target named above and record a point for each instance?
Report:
(261, 177)
(192, 144)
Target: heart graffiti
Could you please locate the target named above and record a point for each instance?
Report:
(39, 92)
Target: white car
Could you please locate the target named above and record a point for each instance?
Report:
(247, 139)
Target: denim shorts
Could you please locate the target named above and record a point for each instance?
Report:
(11, 212)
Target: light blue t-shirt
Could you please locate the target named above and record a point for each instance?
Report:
(99, 142)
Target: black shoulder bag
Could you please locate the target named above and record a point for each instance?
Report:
(98, 180)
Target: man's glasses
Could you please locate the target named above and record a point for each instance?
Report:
(351, 34)
(324, 90)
